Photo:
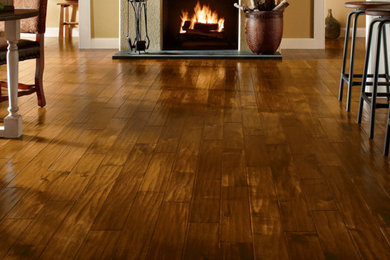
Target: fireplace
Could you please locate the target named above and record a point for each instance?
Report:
(200, 25)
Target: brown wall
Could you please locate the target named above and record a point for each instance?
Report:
(340, 12)
(53, 13)
(298, 20)
(105, 18)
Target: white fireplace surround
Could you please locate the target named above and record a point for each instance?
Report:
(155, 29)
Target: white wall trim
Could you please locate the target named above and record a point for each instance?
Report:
(104, 43)
(52, 32)
(319, 24)
(85, 24)
(361, 32)
(301, 43)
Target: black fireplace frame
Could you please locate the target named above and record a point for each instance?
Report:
(171, 26)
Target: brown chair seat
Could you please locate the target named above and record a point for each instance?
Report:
(366, 4)
(27, 50)
(379, 12)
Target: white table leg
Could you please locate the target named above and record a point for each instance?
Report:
(13, 122)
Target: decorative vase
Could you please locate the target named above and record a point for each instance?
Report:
(332, 26)
(264, 31)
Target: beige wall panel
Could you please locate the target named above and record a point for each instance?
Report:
(298, 19)
(104, 18)
(341, 13)
(53, 14)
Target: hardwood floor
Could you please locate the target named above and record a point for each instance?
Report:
(193, 159)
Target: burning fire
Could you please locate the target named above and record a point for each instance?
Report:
(204, 15)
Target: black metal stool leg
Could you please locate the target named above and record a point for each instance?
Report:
(365, 70)
(352, 60)
(387, 137)
(345, 52)
(386, 54)
(375, 80)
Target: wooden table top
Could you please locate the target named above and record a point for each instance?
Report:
(18, 14)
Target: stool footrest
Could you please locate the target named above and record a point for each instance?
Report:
(381, 94)
(368, 75)
(71, 23)
(367, 98)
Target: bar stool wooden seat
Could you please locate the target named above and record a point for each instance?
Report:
(359, 8)
(371, 97)
(65, 21)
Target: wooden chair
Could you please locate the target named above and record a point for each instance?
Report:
(29, 49)
(65, 22)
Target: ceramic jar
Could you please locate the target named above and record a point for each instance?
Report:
(332, 26)
(264, 31)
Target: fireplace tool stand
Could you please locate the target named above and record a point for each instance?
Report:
(140, 43)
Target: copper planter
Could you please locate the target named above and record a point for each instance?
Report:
(264, 31)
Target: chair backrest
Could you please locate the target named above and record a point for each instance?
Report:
(37, 24)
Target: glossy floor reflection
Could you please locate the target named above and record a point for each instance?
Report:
(193, 159)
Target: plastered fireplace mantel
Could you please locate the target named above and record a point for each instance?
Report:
(155, 26)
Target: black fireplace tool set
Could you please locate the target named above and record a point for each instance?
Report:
(140, 43)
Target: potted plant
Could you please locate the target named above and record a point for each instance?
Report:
(264, 24)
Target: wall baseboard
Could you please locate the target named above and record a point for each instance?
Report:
(288, 43)
(54, 31)
(104, 43)
(302, 43)
(360, 32)
(95, 43)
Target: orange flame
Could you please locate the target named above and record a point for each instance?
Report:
(202, 14)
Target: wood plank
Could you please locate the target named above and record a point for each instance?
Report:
(268, 239)
(188, 151)
(180, 187)
(235, 215)
(80, 219)
(206, 204)
(99, 245)
(168, 240)
(9, 197)
(35, 238)
(256, 154)
(137, 233)
(37, 196)
(234, 173)
(74, 184)
(304, 246)
(334, 237)
(295, 215)
(233, 136)
(318, 195)
(356, 215)
(157, 176)
(10, 232)
(124, 191)
(210, 161)
(202, 241)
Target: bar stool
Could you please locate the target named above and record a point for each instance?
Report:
(64, 18)
(359, 8)
(371, 98)
(387, 137)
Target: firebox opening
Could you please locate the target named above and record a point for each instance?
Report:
(200, 25)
